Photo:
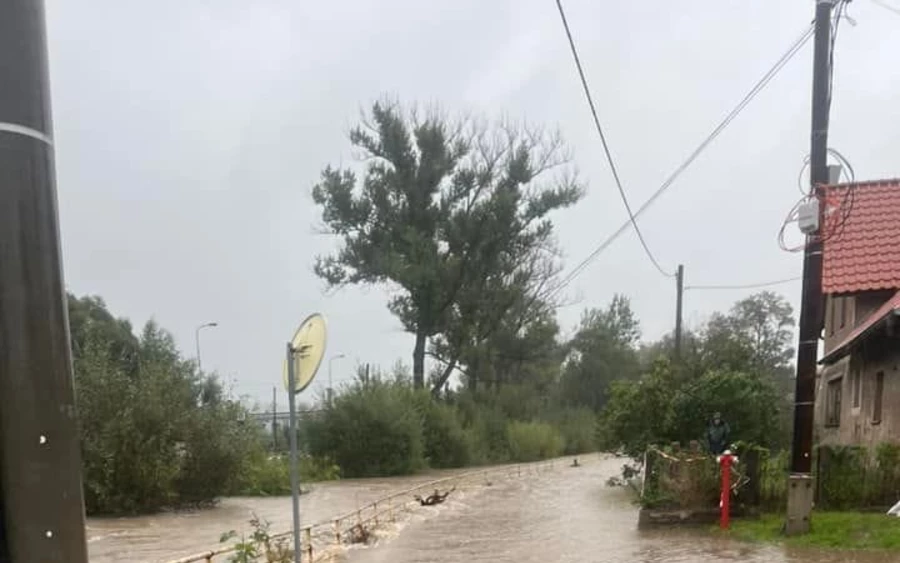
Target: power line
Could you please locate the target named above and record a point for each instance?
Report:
(886, 6)
(609, 158)
(744, 286)
(757, 88)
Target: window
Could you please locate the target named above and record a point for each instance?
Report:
(833, 402)
(879, 397)
(856, 383)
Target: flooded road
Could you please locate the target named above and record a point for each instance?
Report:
(558, 515)
(568, 515)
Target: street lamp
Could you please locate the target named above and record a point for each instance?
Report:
(330, 381)
(197, 341)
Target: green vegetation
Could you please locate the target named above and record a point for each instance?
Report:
(855, 477)
(157, 433)
(833, 530)
(384, 426)
(737, 364)
(259, 545)
(453, 213)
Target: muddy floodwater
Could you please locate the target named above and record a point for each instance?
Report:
(562, 514)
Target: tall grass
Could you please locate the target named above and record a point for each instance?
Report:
(380, 428)
(531, 441)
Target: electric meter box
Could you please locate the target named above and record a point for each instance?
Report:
(808, 217)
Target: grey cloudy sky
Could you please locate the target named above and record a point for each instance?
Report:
(189, 135)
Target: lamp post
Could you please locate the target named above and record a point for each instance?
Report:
(197, 342)
(330, 380)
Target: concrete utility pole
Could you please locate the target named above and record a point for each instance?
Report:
(679, 298)
(800, 481)
(40, 461)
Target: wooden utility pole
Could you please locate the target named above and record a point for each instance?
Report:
(679, 298)
(40, 461)
(800, 486)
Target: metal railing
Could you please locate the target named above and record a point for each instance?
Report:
(337, 532)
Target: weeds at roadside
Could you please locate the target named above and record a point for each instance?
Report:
(260, 544)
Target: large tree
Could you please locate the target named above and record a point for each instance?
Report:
(443, 208)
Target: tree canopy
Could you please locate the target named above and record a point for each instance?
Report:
(452, 214)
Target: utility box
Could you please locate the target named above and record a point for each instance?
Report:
(808, 216)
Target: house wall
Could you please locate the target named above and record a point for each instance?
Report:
(857, 424)
(843, 313)
(836, 328)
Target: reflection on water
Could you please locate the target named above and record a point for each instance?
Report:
(564, 515)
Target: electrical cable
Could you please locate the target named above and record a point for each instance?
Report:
(886, 6)
(754, 91)
(609, 158)
(744, 286)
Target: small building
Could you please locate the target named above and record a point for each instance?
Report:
(858, 387)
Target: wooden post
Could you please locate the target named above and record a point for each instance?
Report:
(307, 540)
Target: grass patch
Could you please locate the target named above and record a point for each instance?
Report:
(834, 530)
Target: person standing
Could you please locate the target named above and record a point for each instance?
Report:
(717, 434)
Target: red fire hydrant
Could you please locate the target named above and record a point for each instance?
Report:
(725, 460)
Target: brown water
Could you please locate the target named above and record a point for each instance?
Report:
(561, 515)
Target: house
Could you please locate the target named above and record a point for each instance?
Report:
(858, 389)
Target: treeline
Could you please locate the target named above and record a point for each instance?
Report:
(155, 431)
(601, 389)
(158, 433)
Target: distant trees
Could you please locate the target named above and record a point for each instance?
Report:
(453, 215)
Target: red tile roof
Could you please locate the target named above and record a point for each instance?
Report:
(861, 251)
(891, 306)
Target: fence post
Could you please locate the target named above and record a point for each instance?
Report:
(307, 540)
(391, 509)
(337, 531)
(752, 462)
(375, 510)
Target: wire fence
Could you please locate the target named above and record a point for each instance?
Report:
(324, 540)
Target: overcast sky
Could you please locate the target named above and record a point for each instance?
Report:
(189, 135)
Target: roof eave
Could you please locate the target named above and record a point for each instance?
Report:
(835, 355)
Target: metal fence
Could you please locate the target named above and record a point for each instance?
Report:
(322, 541)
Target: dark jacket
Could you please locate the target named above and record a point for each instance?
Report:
(717, 436)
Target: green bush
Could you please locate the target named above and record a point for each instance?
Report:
(370, 430)
(446, 442)
(156, 434)
(532, 441)
(269, 474)
(579, 429)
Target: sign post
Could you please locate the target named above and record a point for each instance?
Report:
(295, 477)
(303, 356)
